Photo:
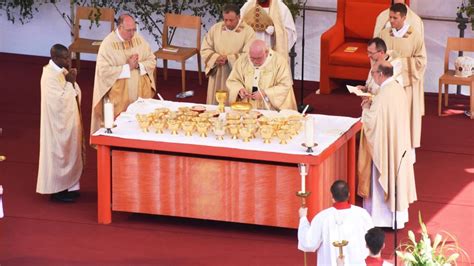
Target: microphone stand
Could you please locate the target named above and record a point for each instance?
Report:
(396, 225)
(302, 106)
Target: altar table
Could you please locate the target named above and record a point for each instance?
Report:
(230, 180)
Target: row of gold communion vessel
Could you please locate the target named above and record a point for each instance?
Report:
(236, 125)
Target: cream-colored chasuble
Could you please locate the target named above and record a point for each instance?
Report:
(221, 41)
(385, 138)
(113, 55)
(412, 52)
(61, 134)
(284, 36)
(274, 79)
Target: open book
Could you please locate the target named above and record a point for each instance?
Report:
(358, 92)
(170, 49)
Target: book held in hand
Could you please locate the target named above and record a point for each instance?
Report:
(358, 92)
(170, 49)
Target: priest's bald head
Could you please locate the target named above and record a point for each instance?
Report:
(258, 52)
(340, 191)
(126, 26)
(381, 72)
(60, 56)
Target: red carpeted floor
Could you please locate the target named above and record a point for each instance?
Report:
(36, 231)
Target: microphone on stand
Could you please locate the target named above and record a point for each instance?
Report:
(302, 106)
(395, 225)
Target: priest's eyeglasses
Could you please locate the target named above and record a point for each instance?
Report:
(372, 53)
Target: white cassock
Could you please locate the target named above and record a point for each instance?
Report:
(381, 214)
(340, 222)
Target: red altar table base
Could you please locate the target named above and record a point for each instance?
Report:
(216, 183)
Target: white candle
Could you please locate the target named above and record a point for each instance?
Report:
(303, 184)
(108, 115)
(309, 131)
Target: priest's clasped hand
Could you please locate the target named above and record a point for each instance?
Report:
(303, 212)
(71, 75)
(221, 60)
(132, 61)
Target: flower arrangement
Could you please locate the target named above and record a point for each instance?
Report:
(427, 252)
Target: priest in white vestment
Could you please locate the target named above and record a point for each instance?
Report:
(225, 42)
(377, 51)
(124, 70)
(263, 79)
(383, 20)
(384, 162)
(272, 22)
(61, 154)
(410, 46)
(343, 221)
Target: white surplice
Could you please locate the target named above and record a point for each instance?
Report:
(335, 224)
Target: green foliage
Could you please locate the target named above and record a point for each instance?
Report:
(467, 8)
(150, 14)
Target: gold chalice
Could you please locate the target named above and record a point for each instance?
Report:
(233, 130)
(283, 136)
(188, 127)
(266, 132)
(202, 128)
(221, 98)
(173, 125)
(159, 126)
(245, 133)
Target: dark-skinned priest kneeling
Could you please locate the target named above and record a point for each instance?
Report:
(384, 157)
(124, 70)
(342, 221)
(262, 78)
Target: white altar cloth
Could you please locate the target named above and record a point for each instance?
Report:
(327, 129)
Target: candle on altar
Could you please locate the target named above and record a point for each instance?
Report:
(108, 114)
(309, 131)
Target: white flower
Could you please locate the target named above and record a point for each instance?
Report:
(411, 236)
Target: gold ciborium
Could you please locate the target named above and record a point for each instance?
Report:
(266, 132)
(245, 133)
(233, 130)
(173, 125)
(283, 136)
(202, 128)
(159, 126)
(221, 98)
(188, 127)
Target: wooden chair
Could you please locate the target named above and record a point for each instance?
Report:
(182, 53)
(455, 44)
(81, 45)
